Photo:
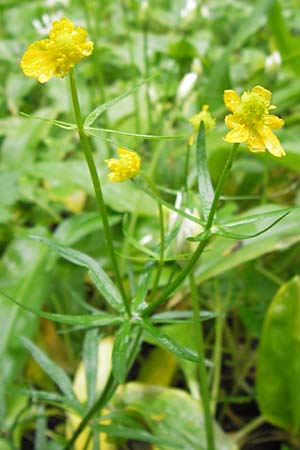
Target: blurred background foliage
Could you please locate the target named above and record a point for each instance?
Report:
(193, 50)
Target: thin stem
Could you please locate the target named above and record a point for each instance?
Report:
(106, 394)
(202, 373)
(187, 165)
(146, 65)
(97, 187)
(220, 185)
(180, 277)
(217, 353)
(205, 237)
(93, 26)
(255, 423)
(108, 391)
(133, 66)
(162, 237)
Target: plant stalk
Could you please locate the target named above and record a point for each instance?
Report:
(202, 373)
(97, 187)
(107, 393)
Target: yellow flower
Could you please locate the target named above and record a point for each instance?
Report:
(251, 122)
(126, 167)
(56, 55)
(202, 116)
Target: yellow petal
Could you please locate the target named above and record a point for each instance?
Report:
(232, 121)
(273, 122)
(38, 62)
(264, 93)
(271, 141)
(57, 55)
(231, 100)
(237, 135)
(127, 166)
(255, 142)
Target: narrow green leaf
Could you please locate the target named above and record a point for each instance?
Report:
(278, 375)
(120, 351)
(53, 398)
(90, 361)
(257, 217)
(97, 275)
(126, 133)
(84, 320)
(40, 439)
(92, 116)
(173, 316)
(56, 373)
(138, 301)
(205, 187)
(168, 343)
(58, 123)
(137, 435)
(224, 233)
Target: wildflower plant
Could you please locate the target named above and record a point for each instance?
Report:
(137, 305)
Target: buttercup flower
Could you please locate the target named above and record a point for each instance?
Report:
(206, 117)
(56, 55)
(126, 167)
(251, 122)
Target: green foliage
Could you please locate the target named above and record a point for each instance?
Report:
(278, 388)
(153, 67)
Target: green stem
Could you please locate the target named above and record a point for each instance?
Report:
(97, 187)
(106, 394)
(133, 66)
(220, 185)
(93, 26)
(146, 65)
(187, 165)
(205, 237)
(162, 237)
(255, 423)
(217, 353)
(203, 380)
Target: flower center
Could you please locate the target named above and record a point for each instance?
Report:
(64, 41)
(252, 109)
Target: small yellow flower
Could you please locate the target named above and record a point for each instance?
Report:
(56, 55)
(202, 116)
(251, 122)
(126, 167)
